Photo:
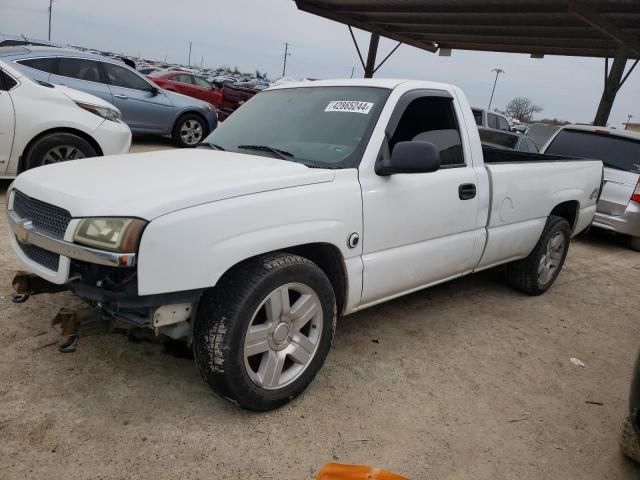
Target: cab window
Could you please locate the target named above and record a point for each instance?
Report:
(432, 119)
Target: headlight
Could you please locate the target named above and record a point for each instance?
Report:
(104, 112)
(116, 234)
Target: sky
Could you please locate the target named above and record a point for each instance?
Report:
(251, 34)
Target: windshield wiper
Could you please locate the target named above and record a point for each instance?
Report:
(212, 146)
(282, 154)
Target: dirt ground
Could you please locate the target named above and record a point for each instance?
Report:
(468, 380)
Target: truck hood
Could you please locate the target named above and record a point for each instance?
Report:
(148, 185)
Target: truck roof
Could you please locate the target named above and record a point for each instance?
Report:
(389, 83)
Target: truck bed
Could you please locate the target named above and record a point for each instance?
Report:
(498, 155)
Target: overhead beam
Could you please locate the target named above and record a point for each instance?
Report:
(393, 7)
(492, 47)
(467, 7)
(348, 20)
(603, 24)
(600, 43)
(393, 21)
(519, 31)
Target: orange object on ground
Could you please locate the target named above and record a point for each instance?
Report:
(334, 471)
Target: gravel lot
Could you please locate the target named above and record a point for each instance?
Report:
(468, 380)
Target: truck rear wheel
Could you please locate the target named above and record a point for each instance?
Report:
(262, 335)
(537, 272)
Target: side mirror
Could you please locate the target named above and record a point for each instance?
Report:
(410, 157)
(154, 91)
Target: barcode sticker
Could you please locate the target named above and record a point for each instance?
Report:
(352, 106)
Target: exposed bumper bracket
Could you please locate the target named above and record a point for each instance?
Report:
(26, 284)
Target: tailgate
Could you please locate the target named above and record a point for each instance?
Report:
(617, 190)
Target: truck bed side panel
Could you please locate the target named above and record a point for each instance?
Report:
(523, 196)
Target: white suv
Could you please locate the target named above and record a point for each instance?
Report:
(42, 124)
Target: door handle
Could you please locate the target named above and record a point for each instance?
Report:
(467, 191)
(119, 95)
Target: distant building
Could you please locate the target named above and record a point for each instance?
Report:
(634, 127)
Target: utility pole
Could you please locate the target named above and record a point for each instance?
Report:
(190, 53)
(201, 61)
(50, 12)
(286, 54)
(498, 72)
(628, 119)
(165, 58)
(353, 70)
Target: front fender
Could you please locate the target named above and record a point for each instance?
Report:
(192, 248)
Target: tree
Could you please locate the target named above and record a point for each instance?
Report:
(522, 109)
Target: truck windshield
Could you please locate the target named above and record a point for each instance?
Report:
(614, 151)
(325, 127)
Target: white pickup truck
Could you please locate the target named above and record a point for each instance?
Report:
(313, 200)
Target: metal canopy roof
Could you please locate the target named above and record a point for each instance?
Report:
(585, 28)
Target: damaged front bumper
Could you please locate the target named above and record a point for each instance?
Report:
(168, 313)
(42, 238)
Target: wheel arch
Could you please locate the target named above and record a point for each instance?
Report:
(328, 258)
(79, 133)
(567, 210)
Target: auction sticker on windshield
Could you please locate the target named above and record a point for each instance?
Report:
(349, 106)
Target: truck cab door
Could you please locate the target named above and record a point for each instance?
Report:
(420, 228)
(7, 120)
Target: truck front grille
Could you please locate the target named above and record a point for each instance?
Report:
(39, 255)
(44, 216)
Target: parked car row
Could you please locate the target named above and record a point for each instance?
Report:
(145, 108)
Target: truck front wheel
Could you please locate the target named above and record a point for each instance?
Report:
(537, 272)
(264, 332)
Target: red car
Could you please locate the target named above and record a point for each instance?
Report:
(187, 84)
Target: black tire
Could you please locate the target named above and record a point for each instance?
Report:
(184, 120)
(40, 153)
(630, 440)
(225, 314)
(523, 274)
